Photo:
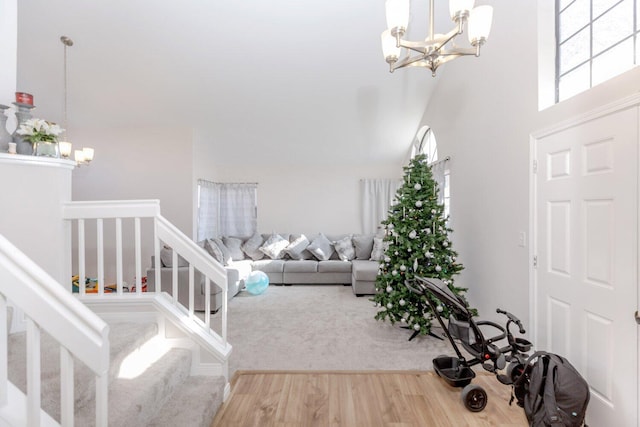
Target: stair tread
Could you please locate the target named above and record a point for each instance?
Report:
(124, 337)
(134, 401)
(194, 403)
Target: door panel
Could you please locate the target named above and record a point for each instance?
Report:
(586, 240)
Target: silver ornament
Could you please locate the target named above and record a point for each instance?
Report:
(394, 273)
(438, 268)
(402, 302)
(417, 186)
(389, 305)
(389, 289)
(418, 204)
(416, 327)
(403, 268)
(439, 309)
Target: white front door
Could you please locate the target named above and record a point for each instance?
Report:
(585, 285)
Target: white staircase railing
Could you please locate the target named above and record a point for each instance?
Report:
(130, 215)
(48, 307)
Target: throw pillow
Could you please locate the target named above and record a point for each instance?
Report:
(297, 247)
(379, 247)
(321, 247)
(226, 254)
(213, 249)
(274, 246)
(235, 247)
(166, 258)
(364, 245)
(252, 247)
(344, 248)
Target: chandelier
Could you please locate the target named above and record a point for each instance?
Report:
(436, 49)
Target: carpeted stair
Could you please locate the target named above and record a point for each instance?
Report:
(162, 395)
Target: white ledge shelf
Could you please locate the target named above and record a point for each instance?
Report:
(20, 159)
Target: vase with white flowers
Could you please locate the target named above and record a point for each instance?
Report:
(43, 135)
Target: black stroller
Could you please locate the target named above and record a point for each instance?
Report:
(456, 371)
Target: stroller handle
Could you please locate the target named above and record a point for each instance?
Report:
(513, 318)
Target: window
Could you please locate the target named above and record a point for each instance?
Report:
(595, 41)
(425, 143)
(227, 209)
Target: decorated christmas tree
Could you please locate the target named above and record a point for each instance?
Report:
(417, 242)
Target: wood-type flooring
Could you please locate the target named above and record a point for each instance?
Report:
(360, 399)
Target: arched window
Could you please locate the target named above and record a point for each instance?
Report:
(425, 143)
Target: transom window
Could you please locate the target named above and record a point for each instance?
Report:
(595, 41)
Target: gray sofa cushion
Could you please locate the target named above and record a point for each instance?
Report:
(301, 266)
(166, 257)
(213, 250)
(252, 247)
(365, 270)
(363, 244)
(234, 245)
(226, 254)
(269, 265)
(321, 247)
(334, 266)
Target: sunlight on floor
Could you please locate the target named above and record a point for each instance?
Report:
(141, 358)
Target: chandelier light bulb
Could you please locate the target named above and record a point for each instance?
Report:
(390, 50)
(79, 156)
(65, 149)
(480, 24)
(397, 16)
(87, 153)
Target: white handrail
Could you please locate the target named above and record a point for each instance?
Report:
(164, 233)
(48, 307)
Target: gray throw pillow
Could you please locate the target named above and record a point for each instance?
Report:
(364, 245)
(234, 245)
(274, 246)
(252, 247)
(379, 247)
(297, 248)
(213, 249)
(166, 257)
(226, 254)
(321, 247)
(344, 248)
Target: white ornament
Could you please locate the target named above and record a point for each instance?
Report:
(438, 268)
(396, 253)
(389, 289)
(418, 204)
(387, 259)
(433, 211)
(428, 230)
(408, 249)
(403, 320)
(389, 306)
(415, 264)
(417, 186)
(394, 273)
(439, 309)
(402, 302)
(416, 327)
(445, 244)
(413, 234)
(403, 268)
(428, 254)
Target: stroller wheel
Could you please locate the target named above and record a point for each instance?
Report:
(474, 398)
(514, 370)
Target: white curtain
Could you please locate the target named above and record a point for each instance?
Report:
(226, 209)
(377, 197)
(439, 170)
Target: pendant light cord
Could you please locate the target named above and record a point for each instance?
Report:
(66, 41)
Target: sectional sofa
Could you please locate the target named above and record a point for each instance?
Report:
(287, 259)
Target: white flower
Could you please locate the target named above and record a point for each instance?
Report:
(39, 130)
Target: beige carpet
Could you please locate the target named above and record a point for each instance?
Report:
(320, 327)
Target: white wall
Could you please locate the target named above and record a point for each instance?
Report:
(138, 163)
(482, 116)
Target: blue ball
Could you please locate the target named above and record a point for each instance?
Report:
(256, 283)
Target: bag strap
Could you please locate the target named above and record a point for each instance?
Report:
(525, 372)
(550, 405)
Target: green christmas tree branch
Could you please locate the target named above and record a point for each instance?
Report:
(417, 244)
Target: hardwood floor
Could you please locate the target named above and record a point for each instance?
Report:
(360, 399)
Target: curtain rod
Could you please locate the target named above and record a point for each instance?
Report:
(216, 182)
(446, 159)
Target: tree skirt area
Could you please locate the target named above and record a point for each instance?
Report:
(320, 327)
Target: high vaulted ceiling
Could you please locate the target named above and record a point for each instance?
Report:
(287, 78)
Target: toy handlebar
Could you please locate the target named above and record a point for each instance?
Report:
(513, 318)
